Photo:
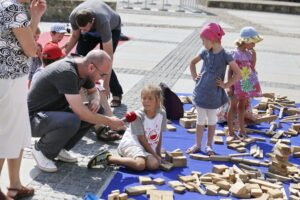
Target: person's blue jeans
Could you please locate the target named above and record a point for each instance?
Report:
(86, 43)
(58, 130)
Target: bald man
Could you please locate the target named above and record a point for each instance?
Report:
(56, 111)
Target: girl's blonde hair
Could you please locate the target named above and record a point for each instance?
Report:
(153, 90)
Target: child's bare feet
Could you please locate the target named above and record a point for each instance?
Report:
(193, 149)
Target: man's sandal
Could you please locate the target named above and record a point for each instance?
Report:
(105, 134)
(99, 159)
(116, 101)
(210, 151)
(193, 149)
(16, 193)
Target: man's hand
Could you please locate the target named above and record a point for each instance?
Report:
(197, 77)
(116, 123)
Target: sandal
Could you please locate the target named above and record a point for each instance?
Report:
(210, 151)
(20, 193)
(116, 101)
(193, 149)
(105, 134)
(4, 197)
(243, 136)
(100, 158)
(235, 137)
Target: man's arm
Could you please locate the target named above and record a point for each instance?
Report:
(85, 114)
(72, 41)
(108, 48)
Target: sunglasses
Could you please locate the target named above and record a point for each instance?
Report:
(100, 73)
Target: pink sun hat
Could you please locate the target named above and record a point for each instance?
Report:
(212, 31)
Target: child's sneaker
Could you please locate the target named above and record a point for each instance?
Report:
(99, 159)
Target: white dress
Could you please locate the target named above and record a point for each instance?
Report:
(15, 131)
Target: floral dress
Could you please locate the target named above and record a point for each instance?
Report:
(248, 85)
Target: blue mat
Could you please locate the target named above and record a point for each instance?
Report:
(181, 139)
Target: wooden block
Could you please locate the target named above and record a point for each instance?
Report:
(256, 192)
(191, 130)
(166, 166)
(140, 189)
(275, 193)
(224, 185)
(243, 166)
(265, 183)
(179, 189)
(174, 184)
(210, 190)
(241, 149)
(219, 169)
(185, 122)
(199, 157)
(220, 158)
(123, 196)
(251, 162)
(155, 196)
(296, 127)
(163, 193)
(171, 128)
(218, 140)
(186, 179)
(179, 161)
(176, 153)
(115, 191)
(266, 119)
(269, 95)
(190, 188)
(295, 149)
(259, 139)
(219, 133)
(292, 111)
(296, 155)
(197, 188)
(159, 181)
(293, 197)
(239, 154)
(113, 196)
(145, 180)
(238, 189)
(278, 177)
(224, 193)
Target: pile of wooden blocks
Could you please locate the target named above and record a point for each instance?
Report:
(280, 168)
(296, 151)
(174, 159)
(294, 191)
(115, 195)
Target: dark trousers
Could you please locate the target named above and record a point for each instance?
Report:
(58, 130)
(86, 43)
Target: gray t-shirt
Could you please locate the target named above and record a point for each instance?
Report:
(106, 19)
(206, 93)
(47, 93)
(150, 127)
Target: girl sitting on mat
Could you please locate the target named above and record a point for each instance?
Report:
(209, 93)
(140, 146)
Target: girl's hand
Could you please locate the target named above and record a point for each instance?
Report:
(198, 76)
(38, 8)
(220, 83)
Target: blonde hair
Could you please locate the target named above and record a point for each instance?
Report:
(153, 90)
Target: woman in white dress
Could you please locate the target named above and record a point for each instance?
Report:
(16, 46)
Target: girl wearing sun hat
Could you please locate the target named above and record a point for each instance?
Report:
(248, 85)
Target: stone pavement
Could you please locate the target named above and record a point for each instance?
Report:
(161, 47)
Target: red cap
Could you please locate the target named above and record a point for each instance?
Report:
(52, 51)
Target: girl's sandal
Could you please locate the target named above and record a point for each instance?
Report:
(193, 149)
(16, 193)
(243, 136)
(210, 151)
(235, 137)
